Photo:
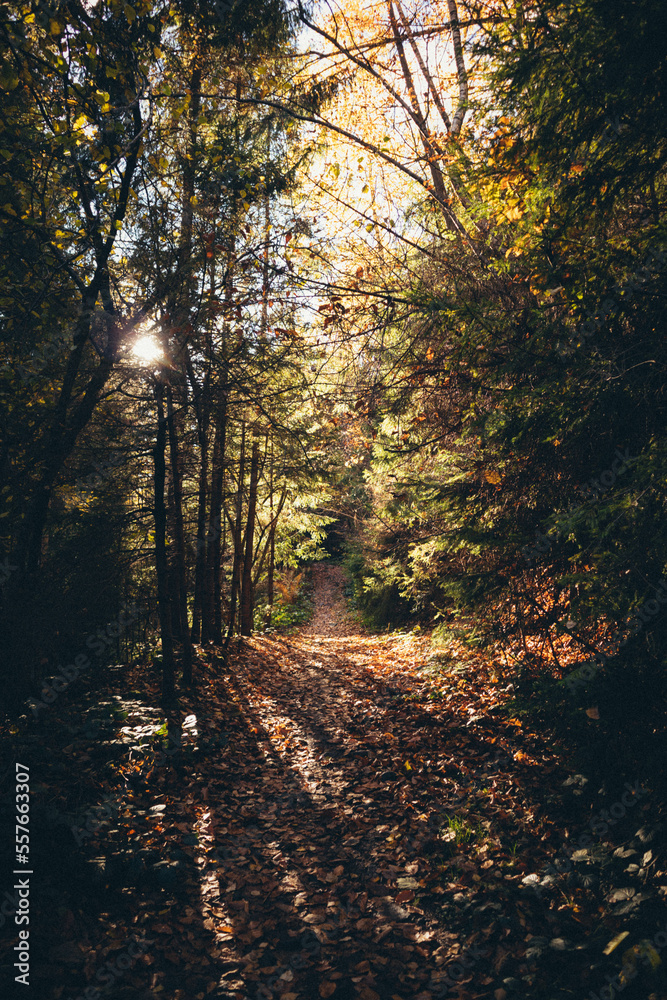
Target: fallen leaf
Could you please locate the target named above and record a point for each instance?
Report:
(615, 941)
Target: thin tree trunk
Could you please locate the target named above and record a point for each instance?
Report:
(200, 555)
(247, 594)
(181, 577)
(214, 581)
(238, 541)
(172, 568)
(272, 544)
(264, 320)
(202, 400)
(433, 153)
(219, 573)
(161, 569)
(214, 527)
(462, 76)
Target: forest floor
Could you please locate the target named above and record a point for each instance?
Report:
(335, 813)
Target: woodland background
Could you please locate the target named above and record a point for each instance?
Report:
(347, 316)
(377, 281)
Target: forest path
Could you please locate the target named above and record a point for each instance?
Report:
(334, 870)
(343, 814)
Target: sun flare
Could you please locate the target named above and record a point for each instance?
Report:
(147, 349)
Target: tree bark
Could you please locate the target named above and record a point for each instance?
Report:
(272, 546)
(214, 553)
(247, 589)
(238, 541)
(200, 545)
(161, 569)
(213, 539)
(180, 574)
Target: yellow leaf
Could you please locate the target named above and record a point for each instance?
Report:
(492, 476)
(130, 12)
(157, 52)
(615, 941)
(55, 27)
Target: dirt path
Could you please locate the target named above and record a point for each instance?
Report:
(331, 869)
(340, 816)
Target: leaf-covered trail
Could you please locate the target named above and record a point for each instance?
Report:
(336, 814)
(331, 864)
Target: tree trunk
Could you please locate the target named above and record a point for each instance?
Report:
(272, 545)
(161, 569)
(217, 596)
(238, 541)
(179, 562)
(214, 567)
(213, 537)
(247, 590)
(200, 546)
